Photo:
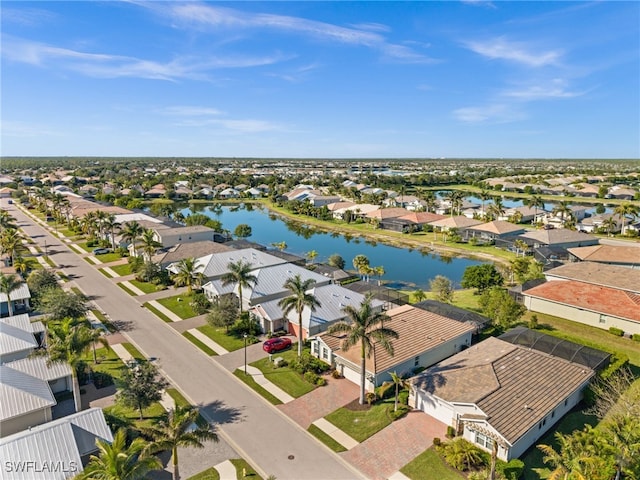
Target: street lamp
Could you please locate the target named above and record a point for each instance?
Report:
(245, 353)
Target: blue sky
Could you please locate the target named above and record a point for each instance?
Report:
(321, 79)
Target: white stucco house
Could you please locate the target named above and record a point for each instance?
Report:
(424, 338)
(499, 391)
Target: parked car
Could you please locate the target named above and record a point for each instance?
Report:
(276, 344)
(100, 251)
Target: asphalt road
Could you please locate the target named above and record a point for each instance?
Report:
(264, 436)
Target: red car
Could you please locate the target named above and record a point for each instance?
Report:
(276, 344)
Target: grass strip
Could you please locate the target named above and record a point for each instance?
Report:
(77, 291)
(180, 401)
(248, 379)
(103, 319)
(156, 312)
(105, 273)
(220, 336)
(243, 467)
(199, 344)
(180, 305)
(126, 289)
(145, 287)
(208, 474)
(284, 377)
(326, 439)
(135, 353)
(50, 262)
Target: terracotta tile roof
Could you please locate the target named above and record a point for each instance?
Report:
(514, 386)
(498, 227)
(459, 221)
(608, 253)
(613, 276)
(422, 217)
(387, 213)
(595, 298)
(418, 331)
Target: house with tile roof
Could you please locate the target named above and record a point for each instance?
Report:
(459, 222)
(558, 238)
(491, 231)
(56, 450)
(496, 390)
(601, 296)
(622, 255)
(424, 338)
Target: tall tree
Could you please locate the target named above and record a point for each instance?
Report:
(361, 264)
(224, 312)
(189, 274)
(442, 287)
(59, 304)
(149, 244)
(6, 221)
(9, 284)
(496, 209)
(455, 198)
(298, 301)
(68, 341)
(398, 383)
(484, 196)
(242, 231)
(481, 277)
(623, 210)
(111, 226)
(535, 202)
(365, 328)
(117, 461)
(563, 209)
(575, 458)
(132, 232)
(240, 274)
(336, 261)
(11, 243)
(142, 385)
(311, 255)
(174, 430)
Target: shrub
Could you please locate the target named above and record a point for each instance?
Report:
(102, 379)
(92, 242)
(616, 331)
(123, 252)
(370, 397)
(336, 374)
(437, 442)
(311, 377)
(309, 363)
(451, 432)
(321, 382)
(512, 469)
(403, 397)
(533, 322)
(399, 413)
(635, 337)
(200, 303)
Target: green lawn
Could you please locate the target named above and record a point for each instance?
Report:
(156, 312)
(108, 257)
(179, 304)
(100, 316)
(362, 424)
(463, 298)
(199, 344)
(220, 336)
(284, 377)
(85, 247)
(429, 465)
(122, 270)
(146, 287)
(150, 415)
(248, 379)
(243, 466)
(126, 289)
(584, 334)
(135, 353)
(50, 262)
(208, 474)
(104, 272)
(109, 363)
(326, 439)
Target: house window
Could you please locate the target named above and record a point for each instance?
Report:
(316, 348)
(553, 414)
(603, 319)
(325, 353)
(566, 402)
(544, 422)
(416, 361)
(483, 440)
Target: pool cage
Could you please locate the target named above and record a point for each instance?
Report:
(558, 347)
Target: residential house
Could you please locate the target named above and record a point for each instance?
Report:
(269, 284)
(333, 299)
(621, 192)
(5, 192)
(424, 338)
(499, 390)
(183, 251)
(600, 222)
(156, 191)
(27, 388)
(19, 337)
(19, 301)
(215, 265)
(558, 238)
(383, 214)
(322, 200)
(598, 295)
(229, 193)
(492, 231)
(626, 256)
(253, 193)
(169, 237)
(410, 202)
(458, 222)
(526, 214)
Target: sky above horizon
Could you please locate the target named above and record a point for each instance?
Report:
(478, 79)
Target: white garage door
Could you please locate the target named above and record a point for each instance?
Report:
(431, 406)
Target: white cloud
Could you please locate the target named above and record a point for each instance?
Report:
(494, 113)
(519, 52)
(112, 66)
(557, 88)
(27, 17)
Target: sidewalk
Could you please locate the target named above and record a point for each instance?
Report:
(260, 379)
(165, 311)
(207, 341)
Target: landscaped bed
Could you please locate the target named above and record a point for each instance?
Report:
(429, 465)
(284, 377)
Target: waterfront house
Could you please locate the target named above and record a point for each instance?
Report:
(623, 255)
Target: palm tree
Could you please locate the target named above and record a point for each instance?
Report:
(298, 300)
(311, 255)
(89, 224)
(535, 202)
(8, 284)
(571, 461)
(69, 341)
(610, 224)
(282, 246)
(149, 244)
(564, 210)
(6, 221)
(484, 196)
(379, 272)
(521, 246)
(455, 198)
(419, 295)
(398, 382)
(496, 209)
(623, 210)
(131, 233)
(111, 226)
(240, 274)
(117, 461)
(189, 274)
(11, 243)
(430, 200)
(361, 263)
(174, 430)
(365, 328)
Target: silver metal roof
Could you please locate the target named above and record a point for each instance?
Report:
(21, 393)
(54, 449)
(19, 293)
(16, 334)
(37, 367)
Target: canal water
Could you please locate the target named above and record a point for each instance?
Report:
(403, 266)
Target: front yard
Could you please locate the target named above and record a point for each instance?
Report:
(429, 465)
(359, 422)
(180, 305)
(284, 377)
(219, 335)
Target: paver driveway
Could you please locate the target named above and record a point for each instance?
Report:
(321, 401)
(392, 448)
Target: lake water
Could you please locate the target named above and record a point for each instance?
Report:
(402, 265)
(548, 206)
